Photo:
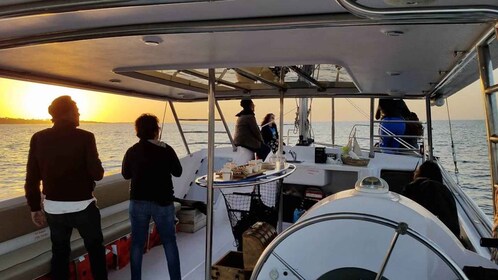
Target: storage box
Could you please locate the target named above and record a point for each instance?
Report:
(191, 220)
(154, 238)
(309, 176)
(121, 250)
(255, 240)
(230, 267)
(83, 270)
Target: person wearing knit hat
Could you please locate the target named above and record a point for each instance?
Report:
(66, 160)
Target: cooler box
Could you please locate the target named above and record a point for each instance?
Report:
(83, 268)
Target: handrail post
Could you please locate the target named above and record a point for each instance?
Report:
(429, 127)
(182, 135)
(210, 172)
(222, 117)
(372, 108)
(332, 117)
(280, 153)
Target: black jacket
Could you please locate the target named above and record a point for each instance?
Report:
(436, 198)
(150, 166)
(268, 137)
(65, 158)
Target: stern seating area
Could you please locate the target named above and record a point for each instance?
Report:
(31, 257)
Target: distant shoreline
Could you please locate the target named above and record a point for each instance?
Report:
(31, 121)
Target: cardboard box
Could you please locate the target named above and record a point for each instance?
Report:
(191, 220)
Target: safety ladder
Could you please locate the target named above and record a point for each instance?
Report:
(490, 90)
(183, 132)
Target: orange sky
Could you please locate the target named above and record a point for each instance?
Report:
(30, 101)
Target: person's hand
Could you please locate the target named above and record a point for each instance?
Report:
(38, 218)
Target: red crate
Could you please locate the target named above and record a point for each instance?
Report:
(83, 268)
(121, 249)
(110, 258)
(153, 239)
(72, 274)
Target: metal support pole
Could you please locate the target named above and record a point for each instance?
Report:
(490, 103)
(179, 127)
(210, 172)
(280, 155)
(332, 129)
(429, 149)
(371, 154)
(225, 125)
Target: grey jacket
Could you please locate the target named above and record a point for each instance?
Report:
(247, 132)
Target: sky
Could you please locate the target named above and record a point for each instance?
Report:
(19, 99)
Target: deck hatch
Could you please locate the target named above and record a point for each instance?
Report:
(254, 80)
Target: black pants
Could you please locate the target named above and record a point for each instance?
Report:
(263, 151)
(87, 222)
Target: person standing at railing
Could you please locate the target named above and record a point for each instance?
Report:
(65, 159)
(150, 164)
(269, 132)
(390, 112)
(247, 133)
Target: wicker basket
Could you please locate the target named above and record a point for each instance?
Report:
(355, 162)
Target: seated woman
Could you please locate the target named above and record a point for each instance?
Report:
(427, 189)
(247, 132)
(269, 132)
(390, 110)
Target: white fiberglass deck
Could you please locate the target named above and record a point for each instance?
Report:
(192, 251)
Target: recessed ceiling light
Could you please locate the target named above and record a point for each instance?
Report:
(393, 33)
(152, 40)
(395, 92)
(405, 3)
(117, 81)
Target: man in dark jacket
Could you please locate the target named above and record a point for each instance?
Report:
(65, 159)
(247, 133)
(427, 189)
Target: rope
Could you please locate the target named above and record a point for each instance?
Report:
(309, 122)
(164, 116)
(296, 119)
(453, 151)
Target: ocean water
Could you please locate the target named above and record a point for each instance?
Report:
(469, 138)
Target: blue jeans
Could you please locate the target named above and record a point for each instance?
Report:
(87, 222)
(164, 217)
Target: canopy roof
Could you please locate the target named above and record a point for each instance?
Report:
(161, 49)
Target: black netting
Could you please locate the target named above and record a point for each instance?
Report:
(245, 209)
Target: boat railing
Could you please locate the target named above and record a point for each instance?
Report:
(405, 146)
